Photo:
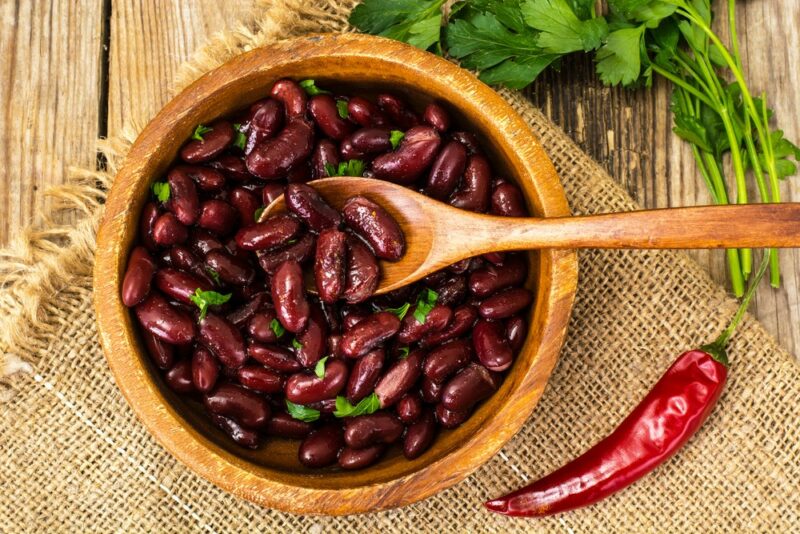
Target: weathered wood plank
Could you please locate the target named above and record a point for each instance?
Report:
(50, 70)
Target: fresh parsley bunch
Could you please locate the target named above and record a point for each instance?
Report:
(510, 42)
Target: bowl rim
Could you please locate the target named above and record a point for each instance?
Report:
(186, 443)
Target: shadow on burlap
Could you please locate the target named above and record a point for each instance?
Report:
(74, 458)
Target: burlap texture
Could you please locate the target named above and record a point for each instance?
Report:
(74, 458)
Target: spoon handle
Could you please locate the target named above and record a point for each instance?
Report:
(735, 226)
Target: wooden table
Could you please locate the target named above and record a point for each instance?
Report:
(73, 70)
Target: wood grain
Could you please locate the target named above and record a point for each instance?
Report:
(272, 476)
(50, 72)
(628, 132)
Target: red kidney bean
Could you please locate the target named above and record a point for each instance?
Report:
(232, 167)
(299, 173)
(431, 391)
(163, 355)
(495, 258)
(217, 216)
(207, 179)
(460, 267)
(449, 418)
(304, 201)
(414, 155)
(446, 171)
(204, 370)
(260, 326)
(299, 251)
(412, 330)
(183, 200)
(332, 316)
(334, 343)
(179, 285)
(376, 226)
(304, 388)
(409, 408)
(366, 430)
(323, 110)
(352, 459)
(361, 278)
(313, 340)
(473, 195)
(263, 121)
(364, 112)
(275, 357)
(507, 200)
(275, 231)
(435, 279)
(446, 359)
(165, 322)
(469, 140)
(492, 278)
(369, 333)
(138, 275)
(419, 435)
(239, 434)
(364, 142)
(398, 111)
(321, 447)
(516, 331)
(283, 425)
(146, 225)
(246, 407)
(271, 191)
(452, 291)
(167, 230)
(273, 158)
(325, 153)
(399, 379)
(364, 375)
(329, 264)
(291, 95)
(242, 315)
(224, 340)
(491, 346)
(212, 145)
(201, 242)
(230, 268)
(354, 314)
(463, 319)
(260, 379)
(436, 116)
(179, 257)
(289, 296)
(470, 386)
(246, 203)
(179, 378)
(506, 303)
(327, 406)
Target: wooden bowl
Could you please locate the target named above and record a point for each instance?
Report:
(272, 476)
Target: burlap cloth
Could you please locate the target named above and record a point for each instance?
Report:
(74, 458)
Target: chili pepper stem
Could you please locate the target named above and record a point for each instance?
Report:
(717, 347)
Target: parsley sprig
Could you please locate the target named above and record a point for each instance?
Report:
(302, 413)
(353, 167)
(204, 299)
(510, 42)
(161, 191)
(200, 131)
(365, 406)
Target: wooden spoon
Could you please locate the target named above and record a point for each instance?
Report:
(438, 235)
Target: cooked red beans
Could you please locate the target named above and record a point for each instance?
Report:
(224, 295)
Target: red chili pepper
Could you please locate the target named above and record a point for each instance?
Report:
(670, 414)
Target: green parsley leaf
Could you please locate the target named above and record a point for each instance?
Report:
(365, 406)
(258, 212)
(330, 170)
(241, 139)
(619, 59)
(296, 344)
(214, 275)
(425, 303)
(277, 328)
(161, 191)
(319, 369)
(395, 137)
(416, 22)
(353, 167)
(400, 311)
(561, 30)
(301, 413)
(200, 131)
(402, 352)
(204, 299)
(782, 150)
(341, 108)
(311, 88)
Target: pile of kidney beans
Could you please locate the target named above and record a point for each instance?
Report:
(221, 299)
